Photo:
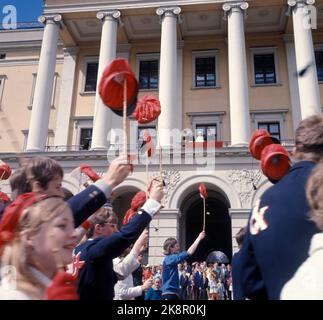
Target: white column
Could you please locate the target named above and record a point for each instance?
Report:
(293, 84)
(65, 97)
(238, 79)
(168, 81)
(38, 128)
(308, 83)
(103, 116)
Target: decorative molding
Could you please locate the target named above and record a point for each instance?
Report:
(243, 182)
(235, 6)
(171, 178)
(54, 18)
(169, 12)
(294, 4)
(111, 15)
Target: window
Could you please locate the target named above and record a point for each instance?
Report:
(148, 74)
(204, 69)
(147, 70)
(152, 131)
(91, 76)
(85, 138)
(206, 132)
(272, 127)
(319, 64)
(31, 100)
(264, 66)
(83, 132)
(2, 56)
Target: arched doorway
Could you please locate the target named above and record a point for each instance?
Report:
(217, 228)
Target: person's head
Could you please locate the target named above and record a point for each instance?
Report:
(309, 139)
(42, 236)
(314, 193)
(157, 283)
(44, 175)
(105, 223)
(18, 183)
(240, 236)
(171, 246)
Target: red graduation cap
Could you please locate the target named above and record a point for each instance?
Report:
(137, 201)
(4, 198)
(111, 87)
(259, 140)
(5, 171)
(275, 162)
(147, 109)
(86, 169)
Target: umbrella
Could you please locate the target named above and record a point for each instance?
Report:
(217, 256)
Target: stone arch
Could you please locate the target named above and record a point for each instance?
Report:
(264, 185)
(191, 183)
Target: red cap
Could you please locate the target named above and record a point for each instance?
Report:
(147, 109)
(259, 140)
(137, 201)
(111, 86)
(5, 171)
(86, 169)
(12, 214)
(275, 161)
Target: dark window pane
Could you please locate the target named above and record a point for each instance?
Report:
(148, 74)
(205, 72)
(264, 65)
(319, 64)
(86, 138)
(272, 127)
(91, 77)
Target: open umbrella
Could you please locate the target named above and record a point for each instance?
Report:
(217, 256)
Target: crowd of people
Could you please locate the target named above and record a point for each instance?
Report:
(56, 246)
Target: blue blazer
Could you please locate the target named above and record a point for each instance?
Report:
(85, 203)
(96, 278)
(270, 258)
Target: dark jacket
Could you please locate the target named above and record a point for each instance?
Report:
(271, 256)
(96, 277)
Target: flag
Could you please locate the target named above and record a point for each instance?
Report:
(147, 144)
(202, 190)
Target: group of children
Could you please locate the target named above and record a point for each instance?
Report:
(40, 235)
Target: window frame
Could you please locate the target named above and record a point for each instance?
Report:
(86, 61)
(79, 124)
(279, 115)
(269, 123)
(147, 57)
(263, 51)
(206, 54)
(205, 125)
(205, 118)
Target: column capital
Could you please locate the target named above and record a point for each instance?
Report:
(109, 14)
(240, 6)
(168, 12)
(294, 4)
(54, 18)
(71, 51)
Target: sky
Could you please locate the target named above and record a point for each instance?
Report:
(27, 11)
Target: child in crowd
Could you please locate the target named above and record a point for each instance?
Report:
(37, 239)
(173, 257)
